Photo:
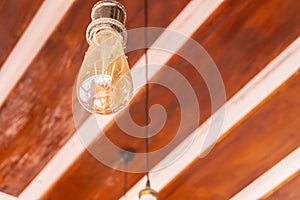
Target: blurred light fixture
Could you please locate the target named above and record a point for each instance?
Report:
(104, 84)
(147, 193)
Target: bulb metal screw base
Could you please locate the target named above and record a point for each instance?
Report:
(107, 14)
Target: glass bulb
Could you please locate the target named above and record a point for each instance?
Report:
(148, 193)
(104, 83)
(148, 197)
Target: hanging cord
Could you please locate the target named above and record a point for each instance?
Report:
(146, 94)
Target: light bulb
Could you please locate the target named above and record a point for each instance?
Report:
(104, 83)
(148, 197)
(148, 193)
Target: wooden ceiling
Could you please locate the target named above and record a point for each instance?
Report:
(41, 157)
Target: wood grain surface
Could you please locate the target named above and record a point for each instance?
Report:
(288, 191)
(15, 16)
(36, 119)
(242, 37)
(264, 138)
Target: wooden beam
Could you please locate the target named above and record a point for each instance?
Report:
(224, 35)
(185, 24)
(4, 196)
(272, 178)
(253, 147)
(288, 190)
(15, 17)
(31, 42)
(240, 105)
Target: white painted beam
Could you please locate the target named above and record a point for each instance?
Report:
(252, 94)
(186, 23)
(4, 196)
(29, 45)
(272, 178)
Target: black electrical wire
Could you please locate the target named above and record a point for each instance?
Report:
(146, 92)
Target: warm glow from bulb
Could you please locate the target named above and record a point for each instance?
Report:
(104, 83)
(148, 197)
(148, 193)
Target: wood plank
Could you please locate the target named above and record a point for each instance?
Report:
(48, 101)
(240, 105)
(28, 46)
(14, 18)
(272, 178)
(184, 23)
(287, 191)
(225, 36)
(253, 147)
